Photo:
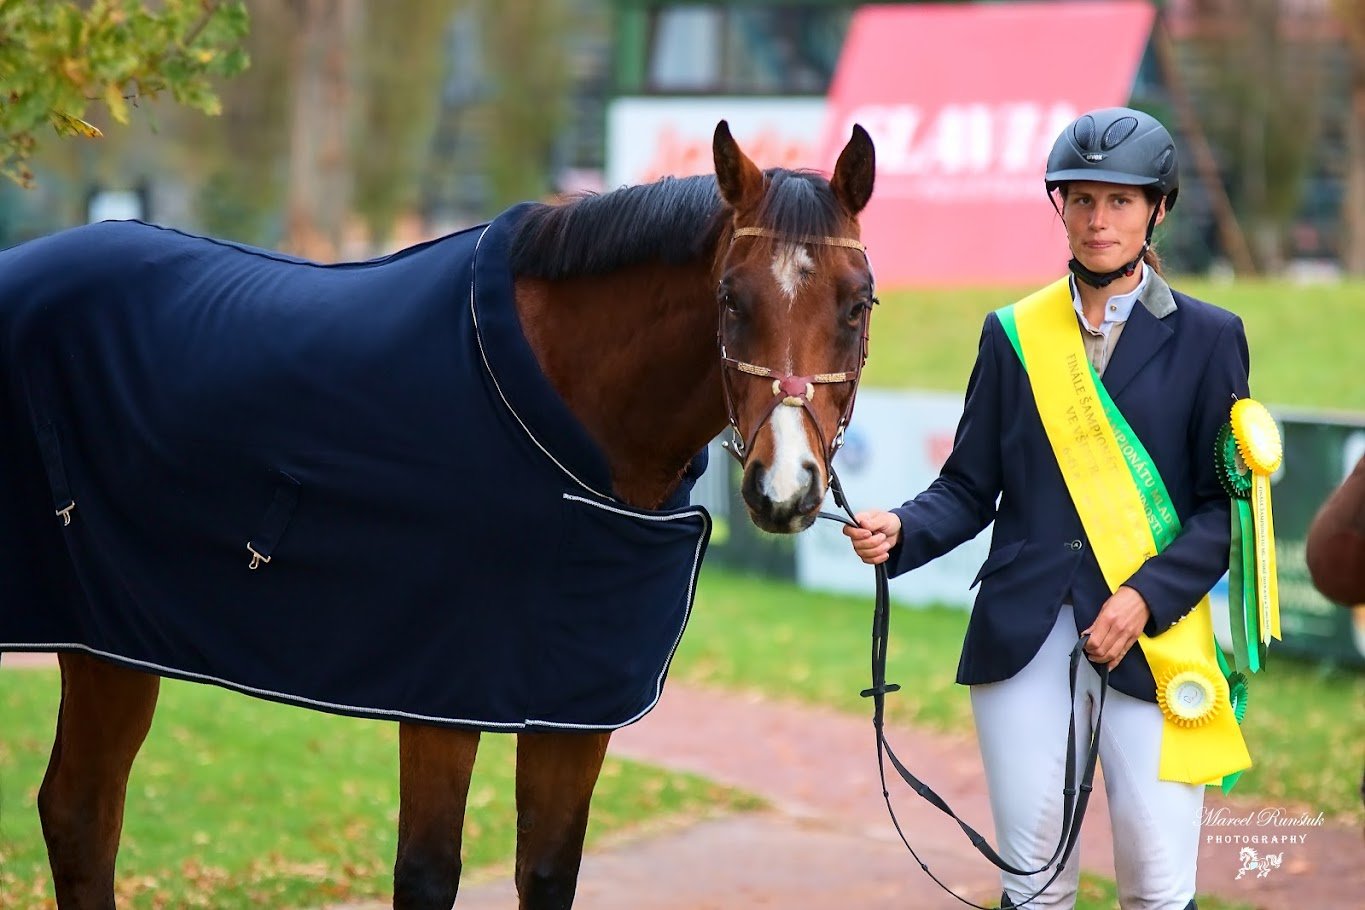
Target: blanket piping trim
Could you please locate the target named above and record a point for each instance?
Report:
(691, 587)
(303, 701)
(334, 707)
(488, 368)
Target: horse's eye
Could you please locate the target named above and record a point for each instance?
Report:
(729, 300)
(853, 315)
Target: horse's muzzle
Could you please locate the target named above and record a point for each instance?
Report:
(794, 513)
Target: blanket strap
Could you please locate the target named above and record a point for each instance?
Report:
(262, 545)
(62, 501)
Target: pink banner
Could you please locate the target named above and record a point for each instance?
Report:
(964, 103)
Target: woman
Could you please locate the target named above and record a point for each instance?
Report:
(1076, 549)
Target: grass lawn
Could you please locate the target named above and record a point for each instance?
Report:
(240, 803)
(1303, 339)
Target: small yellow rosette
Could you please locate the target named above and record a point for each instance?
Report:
(1190, 694)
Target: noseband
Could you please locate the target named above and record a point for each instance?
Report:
(789, 390)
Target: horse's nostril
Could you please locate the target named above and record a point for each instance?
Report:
(814, 494)
(752, 487)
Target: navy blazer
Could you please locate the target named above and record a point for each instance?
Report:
(1174, 377)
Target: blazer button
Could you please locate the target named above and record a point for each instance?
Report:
(1074, 545)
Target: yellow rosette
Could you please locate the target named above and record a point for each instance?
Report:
(1190, 695)
(1258, 442)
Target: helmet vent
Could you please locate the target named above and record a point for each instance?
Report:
(1118, 131)
(1165, 161)
(1084, 131)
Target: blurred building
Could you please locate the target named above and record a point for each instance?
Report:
(772, 61)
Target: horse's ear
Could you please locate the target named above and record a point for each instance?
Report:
(855, 172)
(740, 180)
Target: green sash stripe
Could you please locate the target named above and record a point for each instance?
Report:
(1156, 500)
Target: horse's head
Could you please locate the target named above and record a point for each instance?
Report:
(795, 294)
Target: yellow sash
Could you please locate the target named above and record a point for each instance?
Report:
(1201, 741)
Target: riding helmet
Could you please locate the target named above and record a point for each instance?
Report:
(1116, 145)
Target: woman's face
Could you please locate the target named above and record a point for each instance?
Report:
(1106, 223)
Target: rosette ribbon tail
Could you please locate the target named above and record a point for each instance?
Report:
(1243, 613)
(1267, 581)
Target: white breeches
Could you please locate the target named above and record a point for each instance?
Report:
(1021, 726)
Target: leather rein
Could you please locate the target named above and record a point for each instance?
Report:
(789, 389)
(1075, 799)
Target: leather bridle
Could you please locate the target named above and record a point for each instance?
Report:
(789, 390)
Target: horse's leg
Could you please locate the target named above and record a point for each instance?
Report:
(556, 773)
(433, 783)
(104, 716)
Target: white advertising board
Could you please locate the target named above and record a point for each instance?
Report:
(895, 447)
(650, 138)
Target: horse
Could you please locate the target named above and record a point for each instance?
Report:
(659, 314)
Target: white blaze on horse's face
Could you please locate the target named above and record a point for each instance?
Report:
(795, 466)
(792, 265)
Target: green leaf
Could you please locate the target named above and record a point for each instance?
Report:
(118, 105)
(67, 125)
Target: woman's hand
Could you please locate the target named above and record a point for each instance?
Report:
(877, 533)
(1121, 621)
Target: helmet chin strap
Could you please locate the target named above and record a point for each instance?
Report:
(1104, 279)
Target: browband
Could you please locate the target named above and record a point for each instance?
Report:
(824, 241)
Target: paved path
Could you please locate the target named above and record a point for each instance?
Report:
(827, 843)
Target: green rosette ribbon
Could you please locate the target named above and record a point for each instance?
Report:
(1237, 696)
(1248, 652)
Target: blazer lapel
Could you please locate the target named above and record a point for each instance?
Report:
(1142, 337)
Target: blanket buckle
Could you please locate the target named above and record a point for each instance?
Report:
(64, 513)
(257, 558)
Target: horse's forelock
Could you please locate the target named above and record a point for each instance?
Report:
(800, 203)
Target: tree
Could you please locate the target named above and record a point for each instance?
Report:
(57, 58)
(529, 93)
(1351, 15)
(275, 150)
(400, 64)
(320, 186)
(1260, 71)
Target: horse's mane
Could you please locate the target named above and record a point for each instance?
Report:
(674, 220)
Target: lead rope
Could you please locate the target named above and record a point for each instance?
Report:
(1074, 800)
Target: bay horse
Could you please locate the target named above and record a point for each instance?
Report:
(660, 314)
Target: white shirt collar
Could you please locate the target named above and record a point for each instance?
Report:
(1117, 309)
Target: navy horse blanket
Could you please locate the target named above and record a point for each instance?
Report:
(348, 487)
